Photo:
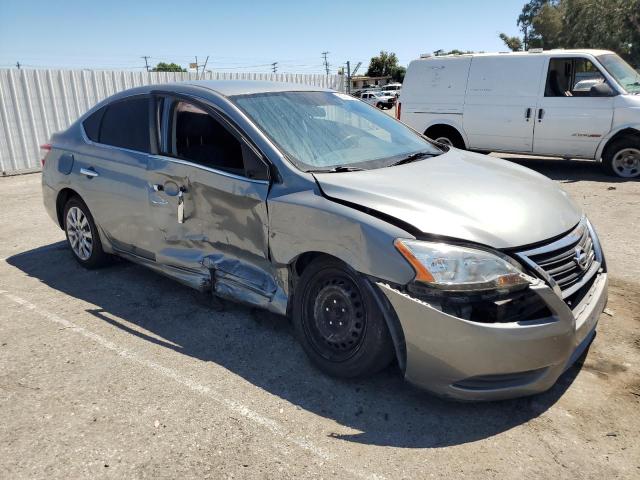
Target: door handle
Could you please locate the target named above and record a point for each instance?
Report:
(527, 114)
(540, 114)
(89, 172)
(181, 205)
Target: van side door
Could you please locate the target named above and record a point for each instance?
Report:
(208, 203)
(572, 119)
(500, 102)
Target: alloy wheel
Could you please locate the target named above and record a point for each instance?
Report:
(79, 233)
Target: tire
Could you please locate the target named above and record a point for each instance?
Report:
(80, 226)
(622, 157)
(379, 105)
(338, 322)
(446, 136)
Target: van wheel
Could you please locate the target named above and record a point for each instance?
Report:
(82, 235)
(338, 322)
(445, 135)
(622, 157)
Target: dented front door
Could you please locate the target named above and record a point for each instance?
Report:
(209, 221)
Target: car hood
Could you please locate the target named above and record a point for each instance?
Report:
(462, 195)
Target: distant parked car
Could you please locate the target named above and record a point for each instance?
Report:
(378, 99)
(565, 103)
(392, 89)
(479, 277)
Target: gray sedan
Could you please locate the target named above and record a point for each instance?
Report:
(479, 278)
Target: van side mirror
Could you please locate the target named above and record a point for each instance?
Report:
(602, 90)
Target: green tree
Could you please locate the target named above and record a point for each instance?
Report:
(397, 74)
(513, 43)
(382, 65)
(168, 67)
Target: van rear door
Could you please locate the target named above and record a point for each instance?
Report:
(501, 100)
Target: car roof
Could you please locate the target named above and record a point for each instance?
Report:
(246, 87)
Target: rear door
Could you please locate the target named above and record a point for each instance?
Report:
(500, 102)
(570, 121)
(112, 171)
(207, 201)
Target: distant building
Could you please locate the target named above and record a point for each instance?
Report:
(363, 81)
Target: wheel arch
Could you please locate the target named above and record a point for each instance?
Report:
(61, 200)
(446, 125)
(627, 130)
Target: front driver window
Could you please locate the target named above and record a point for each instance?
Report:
(200, 138)
(572, 77)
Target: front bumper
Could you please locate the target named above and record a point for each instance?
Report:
(456, 358)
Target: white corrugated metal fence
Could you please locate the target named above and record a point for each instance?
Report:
(36, 103)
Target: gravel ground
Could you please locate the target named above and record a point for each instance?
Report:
(121, 373)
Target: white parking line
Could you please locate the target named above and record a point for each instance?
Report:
(236, 407)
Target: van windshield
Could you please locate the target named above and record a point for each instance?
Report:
(325, 130)
(624, 73)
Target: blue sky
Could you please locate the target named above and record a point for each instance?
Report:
(244, 36)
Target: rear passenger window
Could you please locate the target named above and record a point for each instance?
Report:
(125, 124)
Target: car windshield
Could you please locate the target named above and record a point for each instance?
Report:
(624, 73)
(325, 130)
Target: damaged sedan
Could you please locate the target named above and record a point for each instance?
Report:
(480, 278)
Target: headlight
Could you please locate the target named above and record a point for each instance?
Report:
(451, 267)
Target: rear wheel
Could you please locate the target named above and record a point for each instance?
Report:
(622, 157)
(445, 135)
(379, 105)
(82, 234)
(338, 322)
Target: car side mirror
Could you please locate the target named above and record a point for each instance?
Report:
(602, 90)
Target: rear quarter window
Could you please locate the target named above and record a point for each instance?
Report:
(92, 125)
(125, 124)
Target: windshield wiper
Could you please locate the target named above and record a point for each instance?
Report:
(412, 158)
(337, 169)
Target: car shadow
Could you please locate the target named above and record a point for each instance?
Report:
(260, 347)
(566, 171)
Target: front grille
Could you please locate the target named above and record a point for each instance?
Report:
(568, 260)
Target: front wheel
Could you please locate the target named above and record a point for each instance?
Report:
(622, 157)
(338, 322)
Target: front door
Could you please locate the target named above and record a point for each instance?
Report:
(570, 121)
(207, 201)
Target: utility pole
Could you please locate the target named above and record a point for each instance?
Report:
(146, 63)
(274, 67)
(326, 63)
(205, 66)
(348, 77)
(18, 64)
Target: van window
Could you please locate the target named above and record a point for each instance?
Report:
(125, 124)
(571, 77)
(198, 137)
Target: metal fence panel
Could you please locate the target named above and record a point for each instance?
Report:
(36, 103)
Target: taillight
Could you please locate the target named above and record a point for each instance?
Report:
(398, 109)
(45, 148)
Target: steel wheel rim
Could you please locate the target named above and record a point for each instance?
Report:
(445, 141)
(79, 233)
(335, 317)
(626, 163)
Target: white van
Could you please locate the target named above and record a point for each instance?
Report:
(564, 103)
